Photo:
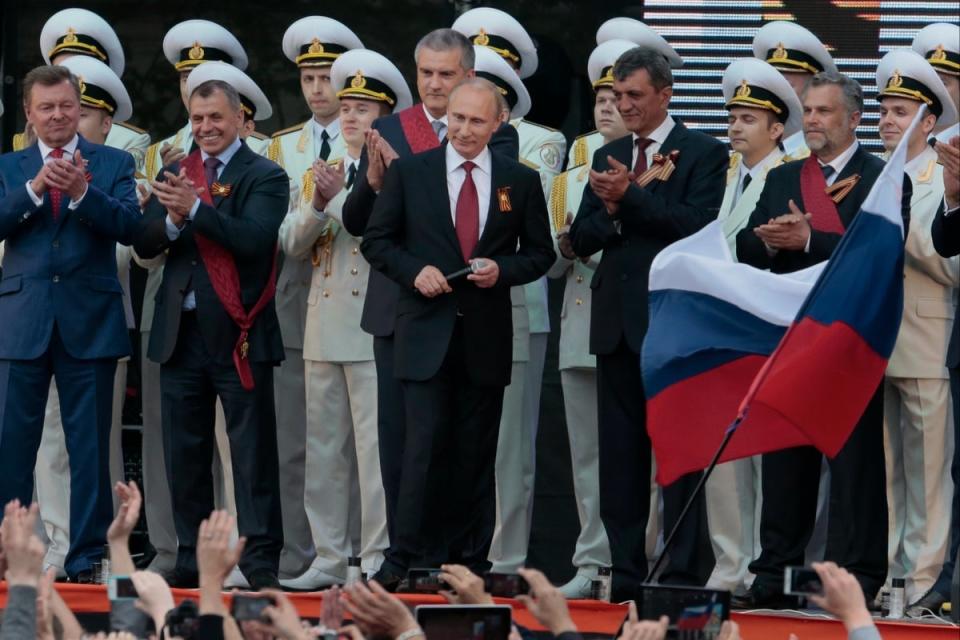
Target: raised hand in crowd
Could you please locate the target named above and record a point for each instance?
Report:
(842, 596)
(22, 549)
(546, 603)
(216, 557)
(281, 619)
(153, 596)
(636, 629)
(45, 605)
(331, 609)
(378, 612)
(467, 587)
(118, 535)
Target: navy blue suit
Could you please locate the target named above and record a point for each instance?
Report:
(61, 309)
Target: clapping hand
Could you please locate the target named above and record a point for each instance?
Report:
(22, 549)
(611, 185)
(790, 231)
(177, 193)
(327, 182)
(467, 587)
(216, 557)
(376, 165)
(376, 611)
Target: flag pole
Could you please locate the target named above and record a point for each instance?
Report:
(668, 541)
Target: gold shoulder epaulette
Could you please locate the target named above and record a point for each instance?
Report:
(127, 125)
(295, 127)
(558, 201)
(150, 161)
(259, 136)
(306, 185)
(542, 126)
(19, 141)
(803, 155)
(734, 165)
(532, 165)
(273, 151)
(580, 149)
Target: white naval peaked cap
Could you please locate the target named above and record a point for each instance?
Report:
(640, 35)
(753, 83)
(490, 66)
(193, 42)
(252, 99)
(939, 43)
(316, 41)
(84, 33)
(100, 88)
(601, 61)
(790, 47)
(503, 34)
(904, 73)
(367, 75)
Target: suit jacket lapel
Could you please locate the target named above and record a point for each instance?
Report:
(30, 162)
(854, 166)
(499, 179)
(673, 142)
(436, 174)
(234, 170)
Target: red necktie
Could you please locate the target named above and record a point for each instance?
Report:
(468, 214)
(56, 196)
(640, 167)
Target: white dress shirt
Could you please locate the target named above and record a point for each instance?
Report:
(755, 171)
(658, 135)
(840, 162)
(333, 132)
(456, 175)
(173, 232)
(68, 150)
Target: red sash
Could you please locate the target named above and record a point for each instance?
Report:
(225, 278)
(417, 129)
(816, 202)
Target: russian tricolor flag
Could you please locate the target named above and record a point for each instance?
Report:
(785, 359)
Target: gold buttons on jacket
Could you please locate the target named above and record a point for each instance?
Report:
(354, 271)
(326, 294)
(355, 292)
(579, 279)
(579, 301)
(355, 251)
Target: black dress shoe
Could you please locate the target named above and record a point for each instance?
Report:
(760, 596)
(388, 579)
(182, 579)
(930, 601)
(263, 579)
(83, 577)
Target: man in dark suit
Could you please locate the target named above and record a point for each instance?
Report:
(215, 330)
(444, 58)
(437, 212)
(64, 204)
(798, 221)
(946, 240)
(659, 184)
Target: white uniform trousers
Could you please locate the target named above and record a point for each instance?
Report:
(918, 447)
(291, 403)
(733, 517)
(342, 452)
(580, 406)
(158, 506)
(515, 466)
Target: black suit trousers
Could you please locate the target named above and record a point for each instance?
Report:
(857, 506)
(391, 422)
(625, 470)
(446, 498)
(190, 383)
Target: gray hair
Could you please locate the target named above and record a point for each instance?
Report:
(852, 91)
(48, 76)
(646, 58)
(486, 85)
(208, 88)
(445, 40)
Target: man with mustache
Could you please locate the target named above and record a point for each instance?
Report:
(800, 216)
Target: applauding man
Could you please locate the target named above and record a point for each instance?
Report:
(215, 331)
(64, 204)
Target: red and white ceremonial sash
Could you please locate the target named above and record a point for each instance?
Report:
(816, 201)
(225, 278)
(417, 129)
